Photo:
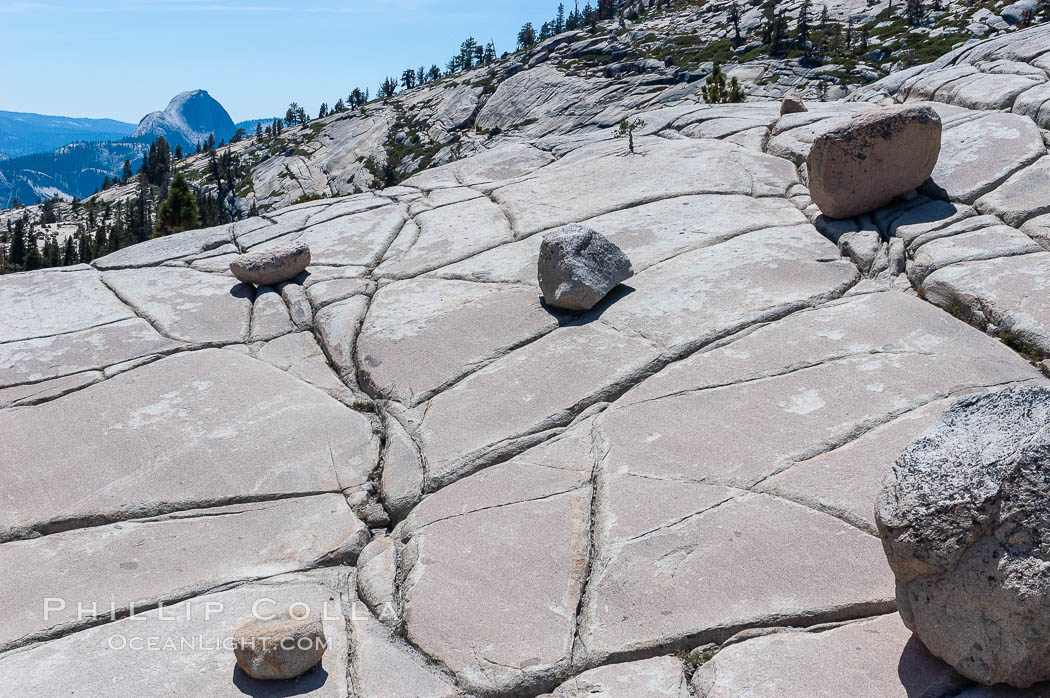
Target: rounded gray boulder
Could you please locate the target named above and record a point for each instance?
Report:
(792, 104)
(280, 647)
(273, 265)
(964, 517)
(579, 266)
(872, 158)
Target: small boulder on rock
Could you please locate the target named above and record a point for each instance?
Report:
(1021, 12)
(282, 647)
(864, 163)
(272, 266)
(579, 266)
(964, 517)
(792, 104)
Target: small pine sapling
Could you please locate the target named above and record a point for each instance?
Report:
(627, 129)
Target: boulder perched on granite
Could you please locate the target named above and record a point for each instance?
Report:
(964, 518)
(870, 159)
(792, 104)
(579, 266)
(272, 266)
(281, 647)
(1021, 12)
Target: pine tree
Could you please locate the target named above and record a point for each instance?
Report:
(156, 166)
(734, 19)
(388, 88)
(627, 129)
(802, 28)
(52, 257)
(33, 259)
(126, 176)
(408, 78)
(717, 90)
(211, 141)
(434, 73)
(137, 222)
(466, 53)
(291, 117)
(179, 210)
(779, 31)
(835, 44)
(769, 18)
(69, 253)
(16, 256)
(526, 36)
(84, 251)
(915, 11)
(101, 244)
(118, 237)
(47, 211)
(590, 16)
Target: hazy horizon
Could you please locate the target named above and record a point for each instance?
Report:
(253, 56)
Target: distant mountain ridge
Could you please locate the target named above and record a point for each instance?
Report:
(76, 170)
(25, 133)
(189, 118)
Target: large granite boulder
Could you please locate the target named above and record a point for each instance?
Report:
(792, 104)
(579, 266)
(867, 161)
(965, 522)
(272, 266)
(280, 646)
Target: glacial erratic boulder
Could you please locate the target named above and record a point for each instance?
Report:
(272, 266)
(1020, 13)
(964, 517)
(792, 104)
(864, 163)
(579, 266)
(280, 647)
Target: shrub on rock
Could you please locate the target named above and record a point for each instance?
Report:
(864, 163)
(272, 266)
(578, 267)
(964, 517)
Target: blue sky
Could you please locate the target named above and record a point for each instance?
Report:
(120, 59)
